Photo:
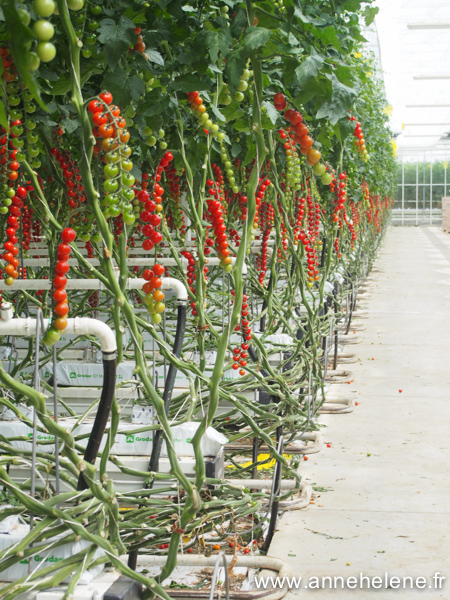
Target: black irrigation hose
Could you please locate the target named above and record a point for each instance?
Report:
(168, 386)
(102, 416)
(167, 398)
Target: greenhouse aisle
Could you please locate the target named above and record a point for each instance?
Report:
(383, 487)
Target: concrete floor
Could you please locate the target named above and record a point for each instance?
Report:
(387, 504)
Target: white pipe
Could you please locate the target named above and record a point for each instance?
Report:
(77, 326)
(259, 562)
(168, 283)
(259, 484)
(132, 262)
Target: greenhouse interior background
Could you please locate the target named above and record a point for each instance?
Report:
(224, 299)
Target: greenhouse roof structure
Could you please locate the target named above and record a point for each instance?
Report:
(412, 45)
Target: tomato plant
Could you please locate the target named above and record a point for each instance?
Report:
(214, 146)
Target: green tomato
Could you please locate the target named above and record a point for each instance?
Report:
(239, 96)
(86, 53)
(147, 130)
(128, 194)
(84, 237)
(44, 8)
(111, 199)
(243, 85)
(10, 193)
(93, 25)
(32, 137)
(128, 179)
(220, 136)
(16, 130)
(14, 100)
(4, 210)
(319, 169)
(128, 218)
(110, 186)
(224, 10)
(51, 337)
(228, 268)
(203, 118)
(97, 237)
(114, 211)
(46, 51)
(24, 16)
(33, 150)
(30, 107)
(125, 150)
(78, 19)
(95, 9)
(245, 75)
(36, 164)
(159, 307)
(131, 112)
(91, 39)
(151, 141)
(112, 157)
(156, 319)
(161, 133)
(20, 156)
(163, 145)
(43, 30)
(17, 142)
(110, 171)
(75, 4)
(327, 178)
(227, 100)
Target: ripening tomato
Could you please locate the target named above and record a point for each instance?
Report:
(61, 309)
(61, 323)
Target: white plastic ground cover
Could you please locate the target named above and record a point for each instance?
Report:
(135, 443)
(90, 374)
(16, 531)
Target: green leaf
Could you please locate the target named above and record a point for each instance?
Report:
(218, 41)
(308, 69)
(345, 75)
(123, 87)
(190, 83)
(155, 103)
(216, 112)
(329, 37)
(234, 68)
(271, 111)
(154, 56)
(370, 14)
(298, 13)
(255, 37)
(64, 84)
(117, 38)
(239, 23)
(20, 38)
(241, 125)
(338, 106)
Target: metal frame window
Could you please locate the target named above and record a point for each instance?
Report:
(422, 183)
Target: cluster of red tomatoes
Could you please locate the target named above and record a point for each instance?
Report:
(154, 297)
(61, 307)
(71, 175)
(360, 142)
(240, 353)
(11, 249)
(216, 211)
